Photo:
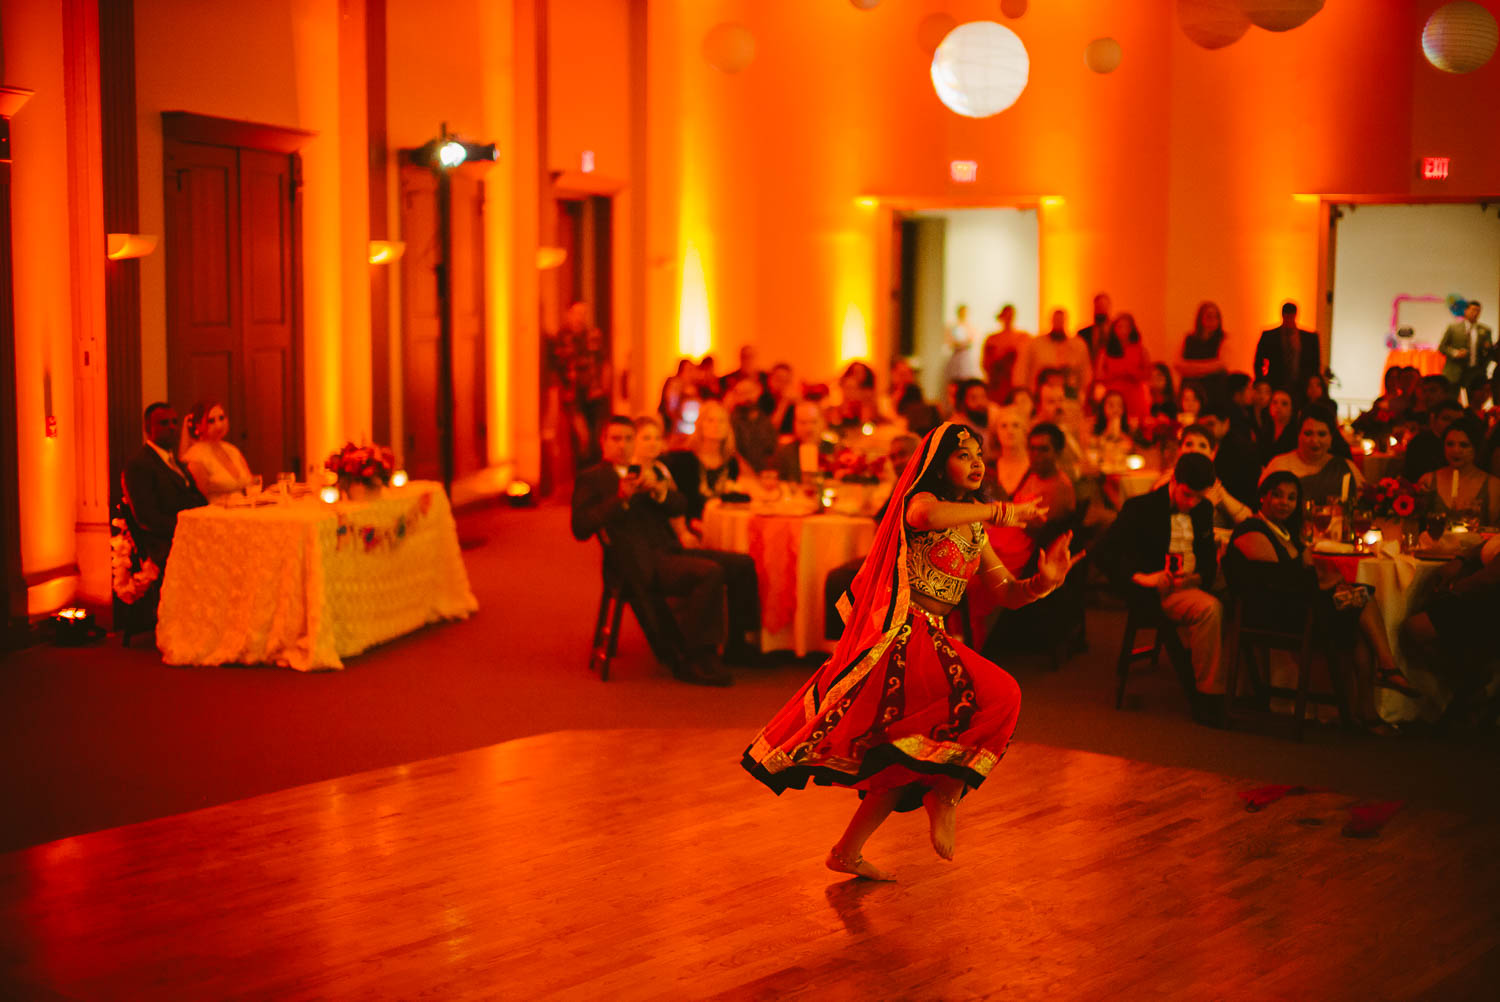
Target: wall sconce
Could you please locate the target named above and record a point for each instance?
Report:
(119, 246)
(550, 257)
(386, 251)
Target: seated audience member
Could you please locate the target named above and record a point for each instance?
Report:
(1271, 569)
(975, 408)
(1316, 394)
(904, 394)
(780, 398)
(612, 499)
(1056, 349)
(1325, 476)
(1189, 405)
(1199, 364)
(679, 390)
(1429, 392)
(1044, 482)
(1460, 487)
(157, 486)
(1261, 392)
(1161, 393)
(902, 448)
(1234, 454)
(1114, 431)
(792, 460)
(1002, 349)
(1424, 453)
(1228, 509)
(1054, 405)
(754, 435)
(857, 404)
(1022, 401)
(1240, 394)
(1454, 637)
(1122, 364)
(1278, 433)
(1160, 553)
(656, 479)
(709, 466)
(218, 468)
(1005, 453)
(1377, 422)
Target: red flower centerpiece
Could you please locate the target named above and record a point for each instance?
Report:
(361, 469)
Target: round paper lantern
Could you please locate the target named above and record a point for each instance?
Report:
(980, 69)
(1280, 15)
(1102, 55)
(865, 4)
(729, 47)
(1460, 37)
(1212, 24)
(932, 29)
(1012, 8)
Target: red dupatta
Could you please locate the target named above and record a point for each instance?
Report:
(875, 605)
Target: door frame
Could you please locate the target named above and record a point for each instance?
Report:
(208, 130)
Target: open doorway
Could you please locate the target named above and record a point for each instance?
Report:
(1396, 270)
(980, 258)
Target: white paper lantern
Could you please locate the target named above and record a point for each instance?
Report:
(980, 69)
(1280, 15)
(865, 4)
(932, 29)
(1212, 24)
(1460, 37)
(1013, 8)
(1102, 55)
(729, 47)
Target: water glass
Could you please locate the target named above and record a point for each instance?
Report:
(252, 490)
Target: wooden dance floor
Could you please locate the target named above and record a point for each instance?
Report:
(646, 864)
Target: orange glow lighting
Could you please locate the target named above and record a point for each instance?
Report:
(119, 246)
(963, 171)
(386, 251)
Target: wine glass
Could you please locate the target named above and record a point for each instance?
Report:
(1322, 518)
(1435, 524)
(284, 482)
(1362, 520)
(252, 489)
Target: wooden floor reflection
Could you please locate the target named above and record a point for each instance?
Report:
(646, 864)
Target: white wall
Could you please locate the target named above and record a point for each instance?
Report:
(1386, 251)
(989, 259)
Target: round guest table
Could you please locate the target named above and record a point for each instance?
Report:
(793, 554)
(304, 584)
(1401, 583)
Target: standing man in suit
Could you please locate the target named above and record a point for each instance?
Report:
(1096, 333)
(1288, 355)
(632, 515)
(157, 486)
(1469, 345)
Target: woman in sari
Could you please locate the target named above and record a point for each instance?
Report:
(902, 712)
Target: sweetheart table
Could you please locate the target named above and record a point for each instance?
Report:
(304, 584)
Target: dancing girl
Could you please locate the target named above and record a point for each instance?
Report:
(902, 712)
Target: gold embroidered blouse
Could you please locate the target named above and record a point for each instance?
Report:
(941, 561)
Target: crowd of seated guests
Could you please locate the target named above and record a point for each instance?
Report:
(1064, 415)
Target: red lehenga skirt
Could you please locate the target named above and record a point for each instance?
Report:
(929, 707)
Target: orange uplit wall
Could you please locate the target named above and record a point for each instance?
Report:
(275, 63)
(1169, 181)
(32, 33)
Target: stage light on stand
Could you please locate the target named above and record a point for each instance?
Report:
(74, 627)
(520, 495)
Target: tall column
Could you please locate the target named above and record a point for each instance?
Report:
(12, 584)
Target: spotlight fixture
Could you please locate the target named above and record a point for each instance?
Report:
(448, 151)
(74, 627)
(520, 495)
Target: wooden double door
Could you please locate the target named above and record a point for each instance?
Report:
(232, 302)
(434, 416)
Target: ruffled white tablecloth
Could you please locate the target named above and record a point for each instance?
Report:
(305, 584)
(793, 555)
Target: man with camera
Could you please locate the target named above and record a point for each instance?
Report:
(631, 513)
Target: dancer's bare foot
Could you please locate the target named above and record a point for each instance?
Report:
(859, 866)
(942, 814)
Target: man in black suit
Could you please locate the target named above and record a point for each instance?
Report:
(1160, 553)
(1234, 453)
(633, 515)
(1424, 453)
(1096, 333)
(1288, 355)
(158, 486)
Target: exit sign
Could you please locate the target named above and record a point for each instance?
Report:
(1434, 168)
(963, 171)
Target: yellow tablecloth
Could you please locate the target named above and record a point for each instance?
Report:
(793, 555)
(1400, 584)
(305, 584)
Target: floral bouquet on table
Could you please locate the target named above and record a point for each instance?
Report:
(365, 466)
(1394, 498)
(851, 466)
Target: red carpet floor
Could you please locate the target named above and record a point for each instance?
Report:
(98, 737)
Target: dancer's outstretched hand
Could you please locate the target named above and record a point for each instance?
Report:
(1054, 563)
